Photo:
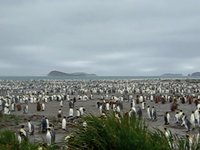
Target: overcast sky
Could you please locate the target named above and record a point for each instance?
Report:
(105, 37)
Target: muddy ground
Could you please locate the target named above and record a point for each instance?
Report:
(90, 106)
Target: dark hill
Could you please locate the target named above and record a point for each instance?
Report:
(63, 74)
(195, 74)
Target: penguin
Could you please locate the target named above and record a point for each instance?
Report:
(98, 104)
(180, 115)
(141, 99)
(61, 103)
(19, 138)
(38, 106)
(177, 117)
(53, 133)
(6, 109)
(82, 110)
(189, 142)
(13, 107)
(84, 124)
(149, 112)
(59, 113)
(139, 112)
(134, 109)
(151, 98)
(43, 125)
(71, 112)
(143, 105)
(25, 109)
(100, 108)
(133, 103)
(167, 118)
(107, 106)
(192, 120)
(187, 124)
(23, 133)
(174, 106)
(47, 121)
(168, 135)
(153, 112)
(43, 106)
(48, 137)
(78, 113)
(104, 106)
(117, 116)
(183, 119)
(30, 128)
(71, 103)
(64, 123)
(132, 113)
(198, 105)
(118, 109)
(197, 116)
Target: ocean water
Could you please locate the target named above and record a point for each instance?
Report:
(22, 78)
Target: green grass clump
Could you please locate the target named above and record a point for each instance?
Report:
(10, 119)
(8, 141)
(111, 133)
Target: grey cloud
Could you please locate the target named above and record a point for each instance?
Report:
(108, 37)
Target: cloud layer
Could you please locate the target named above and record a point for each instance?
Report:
(107, 37)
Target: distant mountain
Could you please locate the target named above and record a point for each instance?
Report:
(195, 74)
(63, 74)
(171, 75)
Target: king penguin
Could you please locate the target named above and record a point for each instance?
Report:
(64, 123)
(48, 137)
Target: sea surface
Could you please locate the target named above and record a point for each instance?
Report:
(22, 78)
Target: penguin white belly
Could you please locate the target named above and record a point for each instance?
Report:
(64, 123)
(48, 138)
(107, 106)
(29, 128)
(71, 112)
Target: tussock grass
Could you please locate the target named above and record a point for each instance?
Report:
(110, 133)
(8, 141)
(10, 119)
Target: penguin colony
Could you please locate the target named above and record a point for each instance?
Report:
(172, 104)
